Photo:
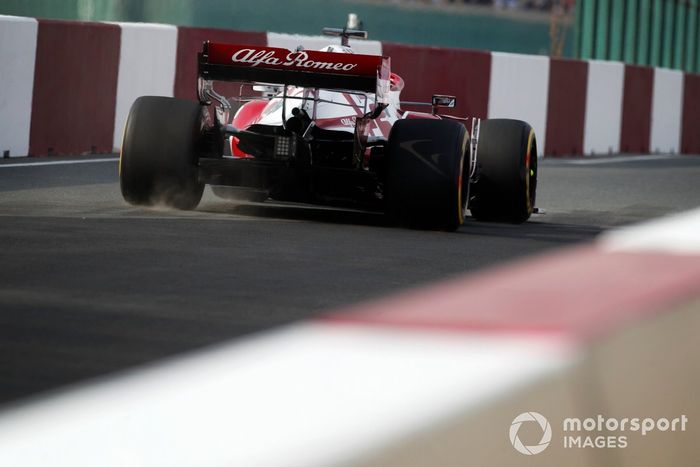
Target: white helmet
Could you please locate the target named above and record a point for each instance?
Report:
(342, 49)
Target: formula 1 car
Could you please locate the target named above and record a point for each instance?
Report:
(325, 127)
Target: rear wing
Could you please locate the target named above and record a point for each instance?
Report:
(303, 68)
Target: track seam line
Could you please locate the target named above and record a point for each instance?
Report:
(81, 161)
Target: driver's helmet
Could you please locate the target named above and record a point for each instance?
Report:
(342, 49)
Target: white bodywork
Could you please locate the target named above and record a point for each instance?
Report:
(331, 110)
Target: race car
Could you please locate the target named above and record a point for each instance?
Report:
(325, 127)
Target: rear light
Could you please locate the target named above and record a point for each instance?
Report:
(285, 147)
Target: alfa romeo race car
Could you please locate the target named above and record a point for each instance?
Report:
(325, 127)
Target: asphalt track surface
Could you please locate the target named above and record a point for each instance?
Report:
(90, 285)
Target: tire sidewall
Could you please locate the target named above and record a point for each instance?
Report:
(159, 156)
(506, 184)
(425, 164)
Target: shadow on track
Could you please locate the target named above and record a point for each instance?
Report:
(300, 212)
(535, 229)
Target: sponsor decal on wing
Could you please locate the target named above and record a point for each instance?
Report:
(302, 60)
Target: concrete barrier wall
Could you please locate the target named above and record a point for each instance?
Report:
(17, 53)
(75, 88)
(66, 87)
(636, 109)
(519, 88)
(691, 115)
(142, 73)
(423, 70)
(566, 107)
(666, 108)
(435, 376)
(603, 120)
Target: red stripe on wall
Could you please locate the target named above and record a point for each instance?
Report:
(549, 294)
(189, 43)
(636, 109)
(566, 108)
(75, 87)
(431, 70)
(690, 132)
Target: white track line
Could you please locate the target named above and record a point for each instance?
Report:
(615, 159)
(77, 161)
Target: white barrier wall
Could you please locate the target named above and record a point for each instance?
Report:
(17, 55)
(601, 134)
(291, 41)
(146, 67)
(519, 88)
(666, 109)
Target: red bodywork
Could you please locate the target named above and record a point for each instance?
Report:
(326, 70)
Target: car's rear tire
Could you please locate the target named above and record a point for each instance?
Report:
(158, 162)
(426, 173)
(506, 178)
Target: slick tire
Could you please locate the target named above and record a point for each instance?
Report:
(426, 174)
(158, 162)
(506, 177)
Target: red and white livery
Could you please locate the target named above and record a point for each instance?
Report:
(326, 126)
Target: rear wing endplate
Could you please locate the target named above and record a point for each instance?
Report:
(303, 68)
